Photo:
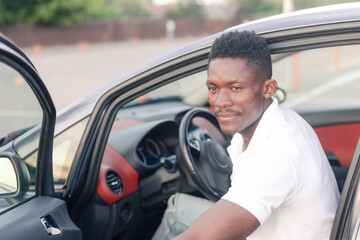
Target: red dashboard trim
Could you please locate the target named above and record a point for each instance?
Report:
(125, 123)
(112, 160)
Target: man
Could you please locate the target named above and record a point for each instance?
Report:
(282, 185)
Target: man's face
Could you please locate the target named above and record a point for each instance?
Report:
(235, 94)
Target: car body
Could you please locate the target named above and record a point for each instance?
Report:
(104, 167)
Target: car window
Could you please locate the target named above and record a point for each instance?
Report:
(325, 78)
(65, 147)
(20, 111)
(190, 89)
(328, 81)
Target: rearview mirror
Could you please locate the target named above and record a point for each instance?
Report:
(8, 179)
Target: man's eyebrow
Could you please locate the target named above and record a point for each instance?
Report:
(209, 82)
(235, 82)
(228, 83)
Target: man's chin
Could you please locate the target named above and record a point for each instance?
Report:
(227, 130)
(229, 124)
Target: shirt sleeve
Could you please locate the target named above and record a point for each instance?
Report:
(261, 182)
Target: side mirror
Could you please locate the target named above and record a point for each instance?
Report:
(8, 179)
(280, 94)
(14, 177)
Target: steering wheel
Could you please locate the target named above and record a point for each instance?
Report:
(204, 161)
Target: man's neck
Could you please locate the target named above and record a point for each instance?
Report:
(248, 133)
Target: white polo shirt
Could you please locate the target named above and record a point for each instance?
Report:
(284, 178)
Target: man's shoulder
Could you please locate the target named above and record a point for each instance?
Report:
(291, 127)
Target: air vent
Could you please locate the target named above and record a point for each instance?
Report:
(114, 182)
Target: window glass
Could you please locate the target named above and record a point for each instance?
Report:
(326, 78)
(19, 111)
(190, 89)
(65, 147)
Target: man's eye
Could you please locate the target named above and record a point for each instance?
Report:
(237, 88)
(212, 89)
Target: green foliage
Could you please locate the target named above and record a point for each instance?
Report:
(259, 7)
(131, 8)
(191, 9)
(67, 12)
(63, 13)
(270, 7)
(302, 4)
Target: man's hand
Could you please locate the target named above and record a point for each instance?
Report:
(224, 220)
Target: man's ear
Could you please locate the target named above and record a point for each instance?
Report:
(270, 87)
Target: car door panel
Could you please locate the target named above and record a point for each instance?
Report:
(39, 215)
(338, 131)
(25, 221)
(339, 139)
(345, 224)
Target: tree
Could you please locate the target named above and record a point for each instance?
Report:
(131, 8)
(270, 7)
(190, 9)
(259, 7)
(68, 12)
(302, 4)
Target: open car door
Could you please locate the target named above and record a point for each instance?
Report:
(28, 208)
(347, 220)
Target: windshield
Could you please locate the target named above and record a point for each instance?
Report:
(191, 90)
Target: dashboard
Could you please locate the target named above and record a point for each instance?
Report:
(139, 170)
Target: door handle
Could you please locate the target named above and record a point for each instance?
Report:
(50, 230)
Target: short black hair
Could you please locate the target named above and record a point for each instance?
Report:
(246, 45)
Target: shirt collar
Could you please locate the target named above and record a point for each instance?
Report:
(236, 147)
(262, 131)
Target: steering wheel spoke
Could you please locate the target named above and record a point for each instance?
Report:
(194, 143)
(203, 159)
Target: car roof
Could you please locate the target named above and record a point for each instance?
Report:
(331, 14)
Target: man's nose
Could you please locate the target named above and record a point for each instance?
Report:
(223, 99)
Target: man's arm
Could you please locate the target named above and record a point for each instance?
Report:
(224, 220)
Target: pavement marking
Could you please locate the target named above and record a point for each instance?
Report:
(336, 82)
